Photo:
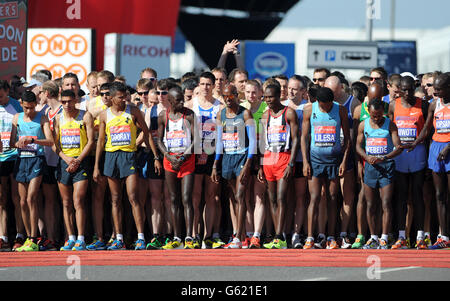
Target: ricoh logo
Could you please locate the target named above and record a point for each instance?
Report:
(270, 63)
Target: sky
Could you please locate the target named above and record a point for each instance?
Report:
(423, 14)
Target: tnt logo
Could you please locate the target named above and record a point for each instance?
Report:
(59, 45)
(58, 70)
(374, 9)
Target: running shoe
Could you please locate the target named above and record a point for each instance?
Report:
(268, 239)
(235, 244)
(383, 245)
(110, 242)
(359, 242)
(18, 243)
(439, 244)
(117, 245)
(371, 244)
(46, 245)
(321, 244)
(309, 244)
(154, 244)
(207, 244)
(196, 243)
(400, 244)
(427, 241)
(68, 246)
(139, 244)
(332, 244)
(229, 242)
(96, 246)
(172, 245)
(391, 240)
(189, 244)
(296, 242)
(421, 245)
(255, 243)
(80, 245)
(29, 246)
(218, 243)
(279, 244)
(246, 243)
(344, 242)
(4, 246)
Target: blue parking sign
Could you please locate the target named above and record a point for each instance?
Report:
(330, 55)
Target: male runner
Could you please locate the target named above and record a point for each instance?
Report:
(439, 159)
(323, 162)
(378, 143)
(30, 133)
(119, 125)
(9, 107)
(320, 75)
(409, 114)
(255, 198)
(281, 145)
(74, 139)
(206, 108)
(236, 140)
(177, 137)
(348, 180)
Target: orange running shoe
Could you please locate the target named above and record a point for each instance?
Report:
(255, 243)
(400, 244)
(309, 244)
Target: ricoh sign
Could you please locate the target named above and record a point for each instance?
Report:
(128, 54)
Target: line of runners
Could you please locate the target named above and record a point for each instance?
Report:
(286, 154)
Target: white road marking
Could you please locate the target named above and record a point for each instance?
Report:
(398, 269)
(316, 279)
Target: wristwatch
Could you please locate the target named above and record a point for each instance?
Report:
(182, 158)
(384, 158)
(156, 158)
(291, 164)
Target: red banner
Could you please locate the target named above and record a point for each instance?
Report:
(13, 38)
(106, 16)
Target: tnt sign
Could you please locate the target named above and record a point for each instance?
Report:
(60, 51)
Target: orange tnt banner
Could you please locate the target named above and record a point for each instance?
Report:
(60, 51)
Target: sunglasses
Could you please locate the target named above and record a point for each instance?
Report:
(374, 78)
(104, 94)
(152, 79)
(228, 97)
(64, 102)
(429, 85)
(162, 92)
(142, 93)
(321, 79)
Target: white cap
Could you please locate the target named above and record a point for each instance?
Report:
(408, 74)
(33, 82)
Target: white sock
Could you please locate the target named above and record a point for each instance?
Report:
(249, 234)
(310, 238)
(384, 237)
(427, 234)
(374, 237)
(343, 234)
(119, 237)
(295, 236)
(257, 234)
(141, 236)
(235, 239)
(419, 235)
(80, 237)
(72, 237)
(177, 238)
(445, 238)
(321, 235)
(402, 234)
(5, 238)
(188, 238)
(20, 235)
(215, 235)
(330, 238)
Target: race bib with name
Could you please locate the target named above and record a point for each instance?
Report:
(324, 136)
(120, 135)
(407, 130)
(376, 146)
(70, 138)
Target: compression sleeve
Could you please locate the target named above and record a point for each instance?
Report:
(219, 142)
(251, 134)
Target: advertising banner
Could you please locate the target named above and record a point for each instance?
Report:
(13, 38)
(60, 51)
(263, 60)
